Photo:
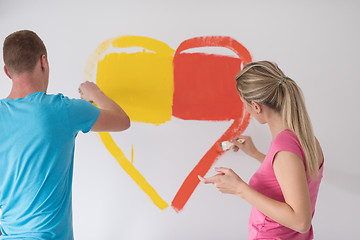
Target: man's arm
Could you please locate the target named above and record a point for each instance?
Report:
(112, 117)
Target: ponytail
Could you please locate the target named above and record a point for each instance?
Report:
(296, 118)
(264, 83)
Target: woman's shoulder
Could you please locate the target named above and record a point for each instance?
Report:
(287, 141)
(286, 138)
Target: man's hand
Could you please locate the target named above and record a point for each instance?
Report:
(112, 117)
(88, 91)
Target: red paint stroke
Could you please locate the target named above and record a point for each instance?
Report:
(204, 89)
(204, 165)
(204, 84)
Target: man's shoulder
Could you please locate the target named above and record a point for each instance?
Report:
(72, 105)
(55, 99)
(62, 98)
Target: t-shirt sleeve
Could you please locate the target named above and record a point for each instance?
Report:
(287, 141)
(82, 114)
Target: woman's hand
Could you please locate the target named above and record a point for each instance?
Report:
(227, 181)
(247, 147)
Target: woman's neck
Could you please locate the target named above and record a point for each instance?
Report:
(275, 122)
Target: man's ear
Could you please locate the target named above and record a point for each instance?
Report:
(43, 62)
(7, 72)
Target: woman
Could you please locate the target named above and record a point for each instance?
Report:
(284, 189)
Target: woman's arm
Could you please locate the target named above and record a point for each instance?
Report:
(295, 213)
(291, 175)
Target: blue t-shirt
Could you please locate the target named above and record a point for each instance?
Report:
(37, 140)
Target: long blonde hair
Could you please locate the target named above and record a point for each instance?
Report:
(264, 83)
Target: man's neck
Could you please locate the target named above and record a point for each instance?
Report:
(24, 86)
(15, 94)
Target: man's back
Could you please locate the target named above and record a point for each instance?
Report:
(37, 137)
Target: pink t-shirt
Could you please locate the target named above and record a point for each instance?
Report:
(265, 182)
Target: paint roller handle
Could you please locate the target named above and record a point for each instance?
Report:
(246, 144)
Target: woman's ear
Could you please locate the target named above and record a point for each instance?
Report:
(257, 107)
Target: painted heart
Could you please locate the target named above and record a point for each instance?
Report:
(156, 83)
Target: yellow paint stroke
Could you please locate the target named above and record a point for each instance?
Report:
(132, 154)
(142, 84)
(132, 171)
(94, 58)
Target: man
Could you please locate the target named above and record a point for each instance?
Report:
(37, 137)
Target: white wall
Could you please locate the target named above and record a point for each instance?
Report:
(314, 42)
